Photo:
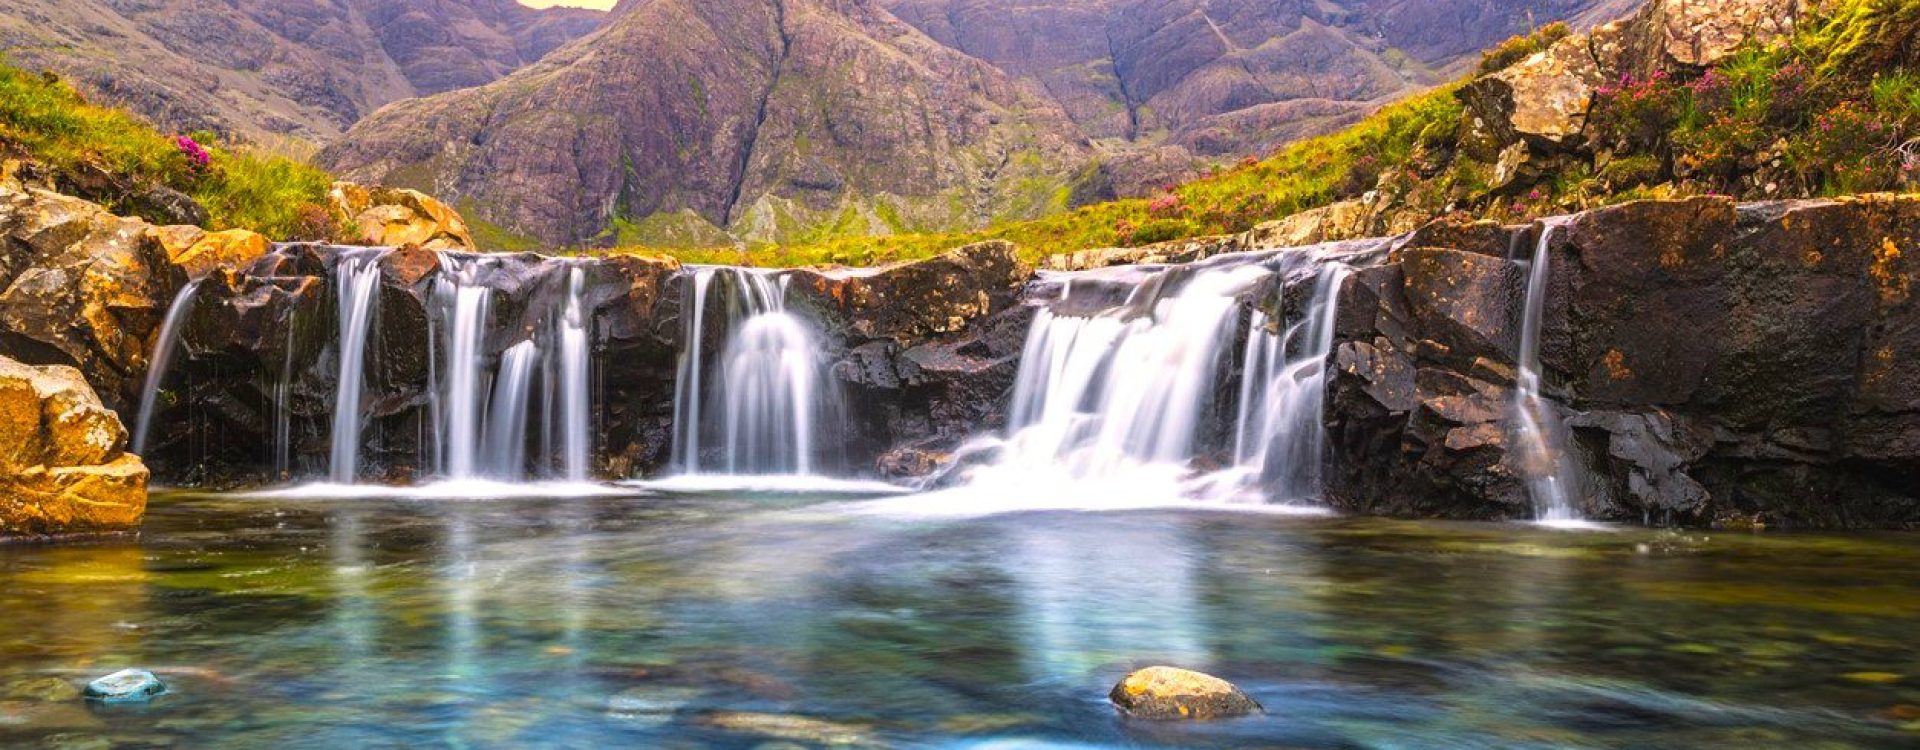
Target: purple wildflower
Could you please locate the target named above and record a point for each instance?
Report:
(194, 152)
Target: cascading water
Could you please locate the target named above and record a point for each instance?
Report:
(163, 347)
(484, 407)
(575, 402)
(1537, 429)
(356, 276)
(1280, 434)
(771, 398)
(1119, 405)
(463, 394)
(506, 445)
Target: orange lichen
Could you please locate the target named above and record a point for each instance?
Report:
(1894, 283)
(1616, 363)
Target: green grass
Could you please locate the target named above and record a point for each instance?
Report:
(51, 123)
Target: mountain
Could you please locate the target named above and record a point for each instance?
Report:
(791, 120)
(1232, 76)
(769, 119)
(301, 68)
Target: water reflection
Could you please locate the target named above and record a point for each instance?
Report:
(730, 621)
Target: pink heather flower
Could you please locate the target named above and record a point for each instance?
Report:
(194, 151)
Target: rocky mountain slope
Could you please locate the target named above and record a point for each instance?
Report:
(1143, 90)
(769, 118)
(304, 68)
(1231, 76)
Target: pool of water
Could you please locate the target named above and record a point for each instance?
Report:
(720, 620)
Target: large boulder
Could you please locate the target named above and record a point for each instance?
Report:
(1677, 35)
(63, 461)
(79, 286)
(392, 217)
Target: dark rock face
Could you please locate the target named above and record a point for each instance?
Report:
(1714, 364)
(932, 349)
(256, 67)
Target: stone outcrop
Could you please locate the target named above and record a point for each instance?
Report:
(1529, 118)
(395, 217)
(63, 465)
(79, 286)
(1169, 693)
(199, 252)
(1713, 362)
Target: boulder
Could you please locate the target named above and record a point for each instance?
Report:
(200, 253)
(918, 298)
(64, 466)
(1170, 693)
(1541, 101)
(1344, 220)
(79, 286)
(1676, 35)
(392, 217)
(125, 686)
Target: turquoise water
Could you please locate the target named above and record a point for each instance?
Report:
(716, 621)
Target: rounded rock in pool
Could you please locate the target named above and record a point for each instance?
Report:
(1171, 693)
(125, 686)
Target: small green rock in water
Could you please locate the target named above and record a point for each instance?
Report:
(125, 686)
(1169, 693)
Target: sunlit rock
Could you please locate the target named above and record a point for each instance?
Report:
(63, 461)
(1171, 693)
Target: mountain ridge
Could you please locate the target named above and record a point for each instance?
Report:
(268, 69)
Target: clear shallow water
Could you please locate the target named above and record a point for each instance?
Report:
(740, 621)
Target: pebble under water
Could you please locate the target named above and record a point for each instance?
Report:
(721, 620)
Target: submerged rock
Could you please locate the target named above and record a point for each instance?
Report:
(788, 727)
(1171, 693)
(125, 686)
(45, 689)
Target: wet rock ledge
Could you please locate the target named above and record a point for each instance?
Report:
(1715, 363)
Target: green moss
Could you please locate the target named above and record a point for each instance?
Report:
(1521, 47)
(50, 122)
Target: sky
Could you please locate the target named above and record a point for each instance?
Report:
(596, 4)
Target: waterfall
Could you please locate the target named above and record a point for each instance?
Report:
(687, 390)
(1127, 396)
(163, 347)
(1538, 433)
(357, 282)
(506, 447)
(482, 406)
(772, 397)
(576, 437)
(1280, 434)
(283, 406)
(1130, 384)
(467, 304)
